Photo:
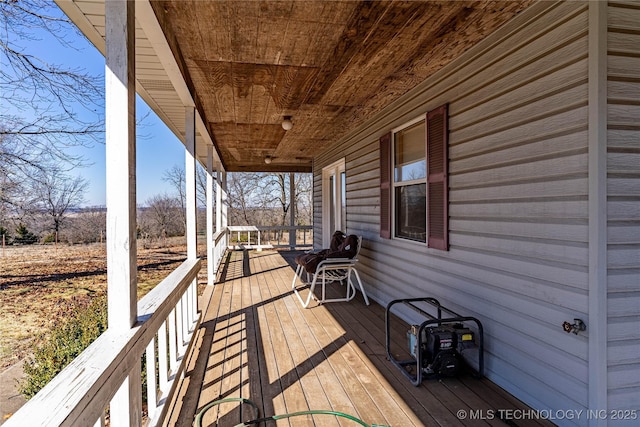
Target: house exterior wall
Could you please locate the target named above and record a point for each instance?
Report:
(519, 205)
(623, 205)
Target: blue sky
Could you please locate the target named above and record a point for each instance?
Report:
(157, 152)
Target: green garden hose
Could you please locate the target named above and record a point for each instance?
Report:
(258, 420)
(218, 402)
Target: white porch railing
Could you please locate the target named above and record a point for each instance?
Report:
(167, 318)
(220, 243)
(264, 237)
(81, 393)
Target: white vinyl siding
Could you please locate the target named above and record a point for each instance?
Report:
(623, 205)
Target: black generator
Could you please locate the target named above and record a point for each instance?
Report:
(440, 345)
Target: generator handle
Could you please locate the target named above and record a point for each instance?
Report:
(410, 302)
(429, 300)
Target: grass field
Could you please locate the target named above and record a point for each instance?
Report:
(39, 284)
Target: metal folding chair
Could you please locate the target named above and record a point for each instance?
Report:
(330, 270)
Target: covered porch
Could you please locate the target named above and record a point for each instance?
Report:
(523, 80)
(257, 342)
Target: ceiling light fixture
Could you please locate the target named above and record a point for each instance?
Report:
(287, 124)
(268, 159)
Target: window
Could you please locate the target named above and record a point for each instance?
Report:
(409, 182)
(414, 181)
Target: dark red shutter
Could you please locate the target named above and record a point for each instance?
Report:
(385, 186)
(437, 179)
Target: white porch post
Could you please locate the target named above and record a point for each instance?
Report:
(218, 200)
(190, 179)
(224, 204)
(292, 209)
(190, 309)
(120, 129)
(126, 405)
(209, 228)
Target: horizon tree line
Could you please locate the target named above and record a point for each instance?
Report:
(52, 212)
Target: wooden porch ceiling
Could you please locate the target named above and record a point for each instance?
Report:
(257, 342)
(330, 65)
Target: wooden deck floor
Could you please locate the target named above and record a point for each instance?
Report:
(256, 342)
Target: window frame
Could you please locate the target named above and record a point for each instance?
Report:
(394, 184)
(436, 181)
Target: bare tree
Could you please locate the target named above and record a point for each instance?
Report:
(275, 188)
(302, 198)
(176, 178)
(53, 192)
(243, 190)
(88, 226)
(264, 199)
(43, 103)
(201, 185)
(10, 182)
(161, 217)
(46, 108)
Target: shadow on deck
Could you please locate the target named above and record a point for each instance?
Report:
(256, 342)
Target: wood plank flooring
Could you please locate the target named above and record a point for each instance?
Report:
(257, 342)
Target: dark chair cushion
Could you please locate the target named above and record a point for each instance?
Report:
(347, 249)
(341, 246)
